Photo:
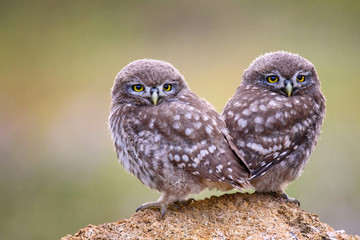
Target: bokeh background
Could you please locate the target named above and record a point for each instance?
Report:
(58, 60)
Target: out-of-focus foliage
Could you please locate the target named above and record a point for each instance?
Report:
(58, 60)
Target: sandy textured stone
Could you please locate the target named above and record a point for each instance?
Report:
(231, 216)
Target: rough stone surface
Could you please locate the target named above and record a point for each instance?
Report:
(231, 216)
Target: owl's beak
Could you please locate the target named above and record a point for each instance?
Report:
(288, 88)
(155, 97)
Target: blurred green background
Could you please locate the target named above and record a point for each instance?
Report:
(58, 61)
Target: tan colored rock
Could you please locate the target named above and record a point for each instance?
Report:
(231, 216)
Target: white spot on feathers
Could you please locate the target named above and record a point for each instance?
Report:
(242, 123)
(258, 120)
(246, 112)
(209, 129)
(185, 158)
(219, 168)
(176, 125)
(188, 131)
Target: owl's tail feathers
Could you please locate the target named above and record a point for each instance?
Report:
(238, 172)
(261, 171)
(235, 150)
(233, 172)
(241, 185)
(237, 176)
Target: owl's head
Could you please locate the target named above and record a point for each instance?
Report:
(282, 72)
(147, 82)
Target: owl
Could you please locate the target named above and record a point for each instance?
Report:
(275, 119)
(170, 139)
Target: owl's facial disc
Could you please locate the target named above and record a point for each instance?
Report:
(288, 87)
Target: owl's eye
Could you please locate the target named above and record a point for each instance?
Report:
(138, 87)
(272, 79)
(300, 78)
(167, 87)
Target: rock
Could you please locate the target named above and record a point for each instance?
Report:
(230, 216)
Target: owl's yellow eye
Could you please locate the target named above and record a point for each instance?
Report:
(167, 87)
(138, 87)
(300, 78)
(272, 79)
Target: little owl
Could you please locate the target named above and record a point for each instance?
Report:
(275, 119)
(170, 139)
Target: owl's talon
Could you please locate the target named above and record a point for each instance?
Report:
(150, 205)
(163, 211)
(179, 205)
(159, 206)
(175, 206)
(156, 205)
(185, 203)
(290, 199)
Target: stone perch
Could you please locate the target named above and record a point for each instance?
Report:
(230, 216)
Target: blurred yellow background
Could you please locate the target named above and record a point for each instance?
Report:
(58, 61)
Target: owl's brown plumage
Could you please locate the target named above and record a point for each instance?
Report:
(170, 139)
(275, 118)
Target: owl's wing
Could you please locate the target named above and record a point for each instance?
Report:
(235, 149)
(197, 142)
(276, 157)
